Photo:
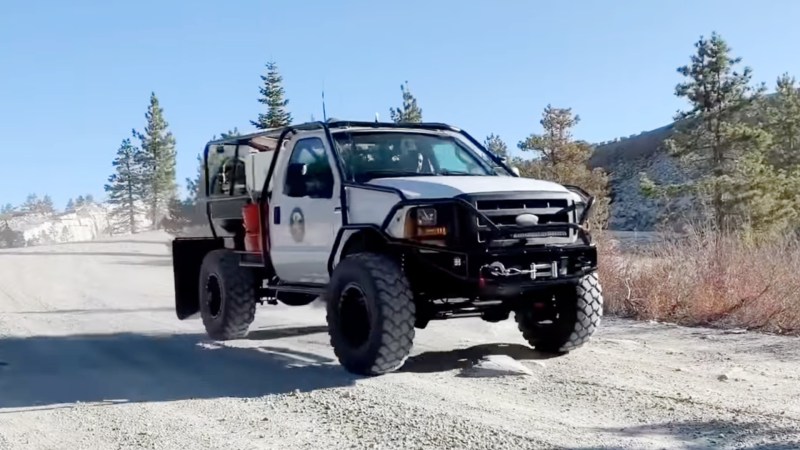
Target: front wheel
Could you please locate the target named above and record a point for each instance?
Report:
(371, 314)
(572, 320)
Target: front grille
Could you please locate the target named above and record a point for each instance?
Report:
(549, 207)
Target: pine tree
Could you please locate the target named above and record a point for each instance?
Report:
(711, 136)
(561, 159)
(410, 112)
(126, 188)
(31, 204)
(158, 159)
(7, 210)
(46, 205)
(35, 205)
(494, 144)
(783, 122)
(10, 238)
(79, 201)
(177, 217)
(70, 206)
(273, 96)
(89, 199)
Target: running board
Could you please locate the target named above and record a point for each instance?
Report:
(311, 289)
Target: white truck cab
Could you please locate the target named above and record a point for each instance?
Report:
(392, 225)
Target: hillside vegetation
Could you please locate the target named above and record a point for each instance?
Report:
(726, 175)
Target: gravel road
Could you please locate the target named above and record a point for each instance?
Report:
(92, 357)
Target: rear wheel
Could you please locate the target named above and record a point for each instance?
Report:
(571, 321)
(227, 296)
(370, 313)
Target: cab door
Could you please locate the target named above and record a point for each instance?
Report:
(305, 212)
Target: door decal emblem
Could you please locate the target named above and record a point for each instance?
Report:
(297, 225)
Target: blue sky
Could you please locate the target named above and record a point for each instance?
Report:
(76, 76)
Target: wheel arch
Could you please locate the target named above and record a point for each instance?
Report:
(355, 238)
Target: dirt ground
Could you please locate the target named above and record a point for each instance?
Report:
(93, 357)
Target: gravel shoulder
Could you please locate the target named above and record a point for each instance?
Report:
(93, 357)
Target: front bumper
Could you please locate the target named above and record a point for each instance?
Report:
(506, 273)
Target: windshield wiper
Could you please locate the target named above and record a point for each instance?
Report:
(459, 173)
(393, 173)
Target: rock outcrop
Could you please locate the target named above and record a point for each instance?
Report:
(624, 160)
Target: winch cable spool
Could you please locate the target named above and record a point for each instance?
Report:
(497, 269)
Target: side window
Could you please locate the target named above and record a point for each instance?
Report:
(227, 178)
(309, 173)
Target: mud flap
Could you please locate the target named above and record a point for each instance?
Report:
(187, 257)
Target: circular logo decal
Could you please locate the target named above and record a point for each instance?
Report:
(297, 225)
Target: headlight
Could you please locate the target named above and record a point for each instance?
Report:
(422, 223)
(426, 217)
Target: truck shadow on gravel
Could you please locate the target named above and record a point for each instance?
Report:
(443, 361)
(50, 371)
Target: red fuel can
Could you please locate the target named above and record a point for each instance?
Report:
(252, 227)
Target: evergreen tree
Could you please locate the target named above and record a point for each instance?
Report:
(89, 199)
(31, 204)
(494, 144)
(79, 201)
(561, 159)
(70, 206)
(711, 136)
(10, 238)
(783, 122)
(6, 210)
(410, 112)
(46, 205)
(158, 160)
(194, 185)
(126, 188)
(177, 217)
(66, 234)
(273, 96)
(35, 205)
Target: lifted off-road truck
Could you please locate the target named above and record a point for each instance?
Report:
(392, 225)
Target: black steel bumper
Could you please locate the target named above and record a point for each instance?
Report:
(509, 273)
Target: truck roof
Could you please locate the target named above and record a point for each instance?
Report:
(272, 134)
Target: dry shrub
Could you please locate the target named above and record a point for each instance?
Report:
(704, 278)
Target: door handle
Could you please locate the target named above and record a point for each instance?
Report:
(337, 209)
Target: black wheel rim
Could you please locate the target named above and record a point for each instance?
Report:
(354, 316)
(213, 296)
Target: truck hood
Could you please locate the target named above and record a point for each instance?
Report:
(451, 186)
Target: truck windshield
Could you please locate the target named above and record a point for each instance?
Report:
(368, 155)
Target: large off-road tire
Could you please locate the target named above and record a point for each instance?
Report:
(227, 295)
(370, 313)
(579, 311)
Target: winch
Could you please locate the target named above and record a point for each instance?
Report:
(542, 270)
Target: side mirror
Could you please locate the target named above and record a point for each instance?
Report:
(296, 179)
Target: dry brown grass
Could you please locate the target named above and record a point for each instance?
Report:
(705, 279)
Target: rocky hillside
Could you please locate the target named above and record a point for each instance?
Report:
(85, 223)
(624, 160)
